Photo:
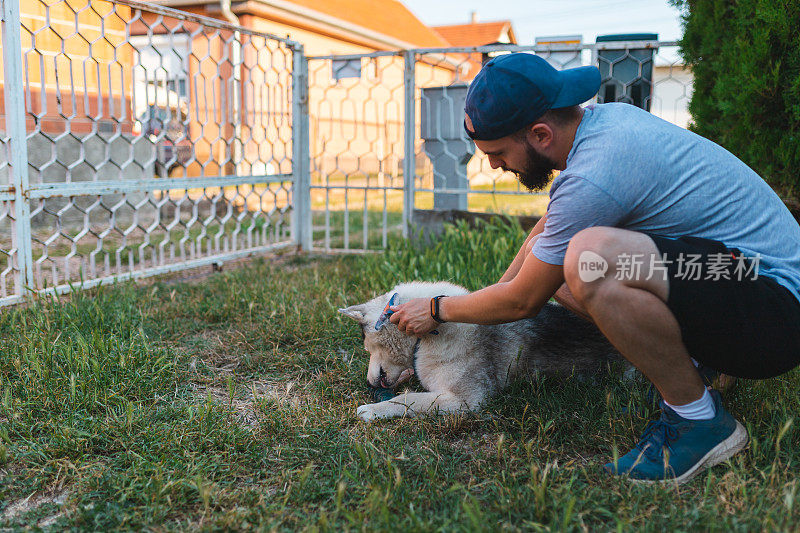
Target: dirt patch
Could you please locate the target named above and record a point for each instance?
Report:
(34, 501)
(476, 445)
(246, 397)
(218, 349)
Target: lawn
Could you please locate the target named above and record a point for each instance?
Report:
(228, 402)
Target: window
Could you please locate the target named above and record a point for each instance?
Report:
(160, 73)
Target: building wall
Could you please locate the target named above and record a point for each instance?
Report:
(356, 121)
(75, 66)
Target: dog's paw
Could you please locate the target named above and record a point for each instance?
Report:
(367, 412)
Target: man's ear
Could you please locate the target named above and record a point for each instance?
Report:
(540, 135)
(356, 312)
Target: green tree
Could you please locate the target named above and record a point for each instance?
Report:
(745, 56)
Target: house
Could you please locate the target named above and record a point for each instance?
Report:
(79, 68)
(77, 92)
(66, 51)
(477, 33)
(339, 121)
(325, 27)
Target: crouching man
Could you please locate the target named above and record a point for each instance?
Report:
(672, 246)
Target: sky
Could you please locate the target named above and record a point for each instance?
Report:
(537, 18)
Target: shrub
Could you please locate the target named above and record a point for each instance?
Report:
(745, 56)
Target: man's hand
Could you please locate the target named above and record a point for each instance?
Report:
(519, 298)
(414, 317)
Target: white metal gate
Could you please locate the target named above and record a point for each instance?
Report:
(138, 139)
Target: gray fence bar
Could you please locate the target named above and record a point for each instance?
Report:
(300, 146)
(409, 136)
(14, 89)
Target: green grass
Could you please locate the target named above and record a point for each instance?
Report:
(230, 404)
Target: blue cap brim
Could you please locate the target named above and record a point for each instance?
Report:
(580, 84)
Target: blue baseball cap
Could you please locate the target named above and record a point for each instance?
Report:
(513, 90)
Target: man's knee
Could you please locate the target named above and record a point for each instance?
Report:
(589, 255)
(604, 258)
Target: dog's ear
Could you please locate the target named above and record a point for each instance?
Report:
(356, 312)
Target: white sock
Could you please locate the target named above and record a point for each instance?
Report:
(702, 409)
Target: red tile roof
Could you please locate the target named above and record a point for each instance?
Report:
(389, 17)
(475, 34)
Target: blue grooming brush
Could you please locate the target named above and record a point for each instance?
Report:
(384, 318)
(386, 313)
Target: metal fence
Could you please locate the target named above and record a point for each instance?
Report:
(377, 118)
(138, 140)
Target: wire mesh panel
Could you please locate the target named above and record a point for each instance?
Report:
(8, 271)
(155, 140)
(672, 86)
(356, 113)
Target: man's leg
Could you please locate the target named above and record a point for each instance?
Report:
(629, 305)
(721, 382)
(564, 296)
(632, 313)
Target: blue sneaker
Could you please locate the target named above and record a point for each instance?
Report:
(676, 449)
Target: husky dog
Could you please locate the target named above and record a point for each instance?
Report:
(463, 365)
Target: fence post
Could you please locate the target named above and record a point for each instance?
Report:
(14, 92)
(301, 160)
(410, 135)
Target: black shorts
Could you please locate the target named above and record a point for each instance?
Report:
(746, 325)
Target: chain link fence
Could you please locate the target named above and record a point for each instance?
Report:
(138, 139)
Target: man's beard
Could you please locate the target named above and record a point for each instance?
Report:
(537, 171)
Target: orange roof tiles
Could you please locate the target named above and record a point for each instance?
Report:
(389, 17)
(475, 34)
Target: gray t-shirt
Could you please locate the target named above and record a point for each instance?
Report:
(630, 169)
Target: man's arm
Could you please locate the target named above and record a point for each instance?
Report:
(519, 298)
(522, 297)
(524, 251)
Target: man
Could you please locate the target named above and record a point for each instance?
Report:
(673, 247)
